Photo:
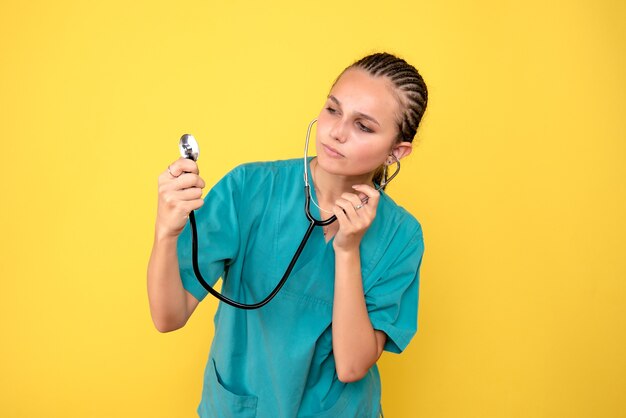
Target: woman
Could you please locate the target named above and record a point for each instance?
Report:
(312, 351)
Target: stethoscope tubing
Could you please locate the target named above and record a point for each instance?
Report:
(313, 222)
(281, 283)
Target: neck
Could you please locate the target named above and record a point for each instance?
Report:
(329, 187)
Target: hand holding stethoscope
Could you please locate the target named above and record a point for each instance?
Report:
(355, 213)
(180, 190)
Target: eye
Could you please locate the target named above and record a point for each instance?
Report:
(331, 110)
(364, 128)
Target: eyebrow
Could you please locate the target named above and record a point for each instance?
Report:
(363, 115)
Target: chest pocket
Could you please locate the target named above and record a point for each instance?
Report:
(218, 401)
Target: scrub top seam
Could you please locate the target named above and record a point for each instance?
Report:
(277, 233)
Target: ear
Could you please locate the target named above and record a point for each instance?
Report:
(402, 150)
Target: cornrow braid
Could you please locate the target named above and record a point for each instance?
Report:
(410, 89)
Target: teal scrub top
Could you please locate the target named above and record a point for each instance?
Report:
(277, 361)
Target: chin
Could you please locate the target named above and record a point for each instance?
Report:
(330, 165)
(340, 167)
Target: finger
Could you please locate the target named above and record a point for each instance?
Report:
(342, 218)
(348, 209)
(186, 207)
(361, 212)
(356, 201)
(188, 180)
(169, 184)
(189, 194)
(181, 202)
(195, 204)
(183, 165)
(370, 193)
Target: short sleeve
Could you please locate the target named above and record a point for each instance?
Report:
(218, 236)
(392, 301)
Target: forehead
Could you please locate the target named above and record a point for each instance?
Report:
(358, 91)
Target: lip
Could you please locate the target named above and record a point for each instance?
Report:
(331, 152)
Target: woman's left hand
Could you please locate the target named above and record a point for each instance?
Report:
(354, 216)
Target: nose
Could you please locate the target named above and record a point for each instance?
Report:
(339, 131)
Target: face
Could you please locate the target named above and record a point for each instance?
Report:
(357, 128)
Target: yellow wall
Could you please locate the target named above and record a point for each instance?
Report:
(518, 180)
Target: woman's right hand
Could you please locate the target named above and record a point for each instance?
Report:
(180, 192)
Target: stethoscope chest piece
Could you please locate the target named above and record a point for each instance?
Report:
(189, 147)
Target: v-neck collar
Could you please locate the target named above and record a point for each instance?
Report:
(315, 211)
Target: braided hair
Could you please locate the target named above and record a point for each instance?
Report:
(409, 87)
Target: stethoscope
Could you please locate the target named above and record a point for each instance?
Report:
(189, 149)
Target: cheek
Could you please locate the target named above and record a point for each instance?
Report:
(365, 161)
(322, 118)
(322, 125)
(372, 156)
